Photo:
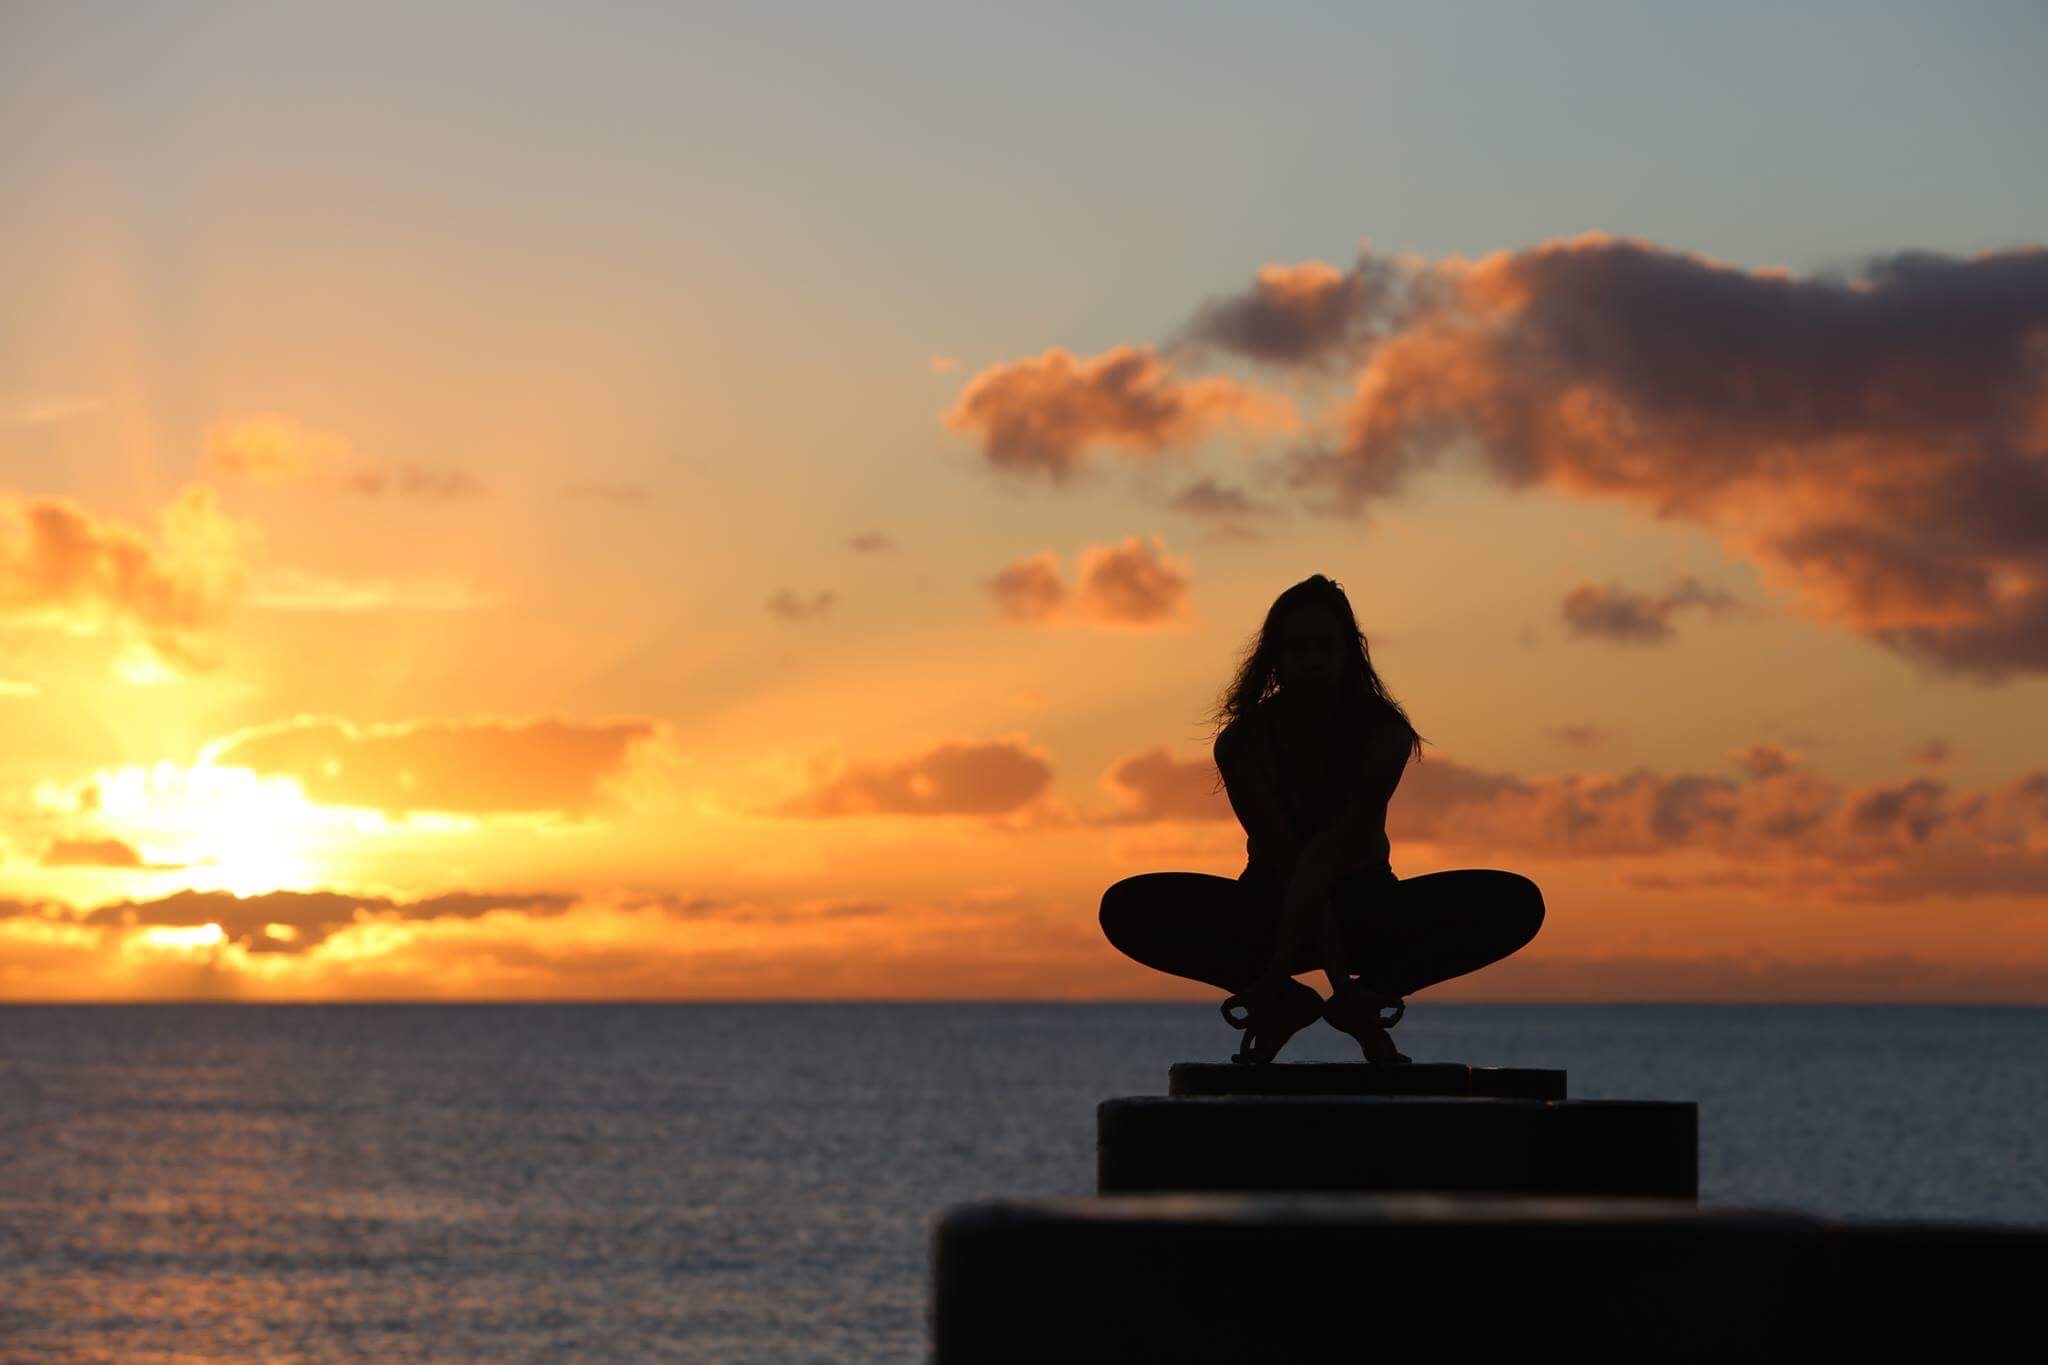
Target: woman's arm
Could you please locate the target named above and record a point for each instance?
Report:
(1255, 798)
(1359, 832)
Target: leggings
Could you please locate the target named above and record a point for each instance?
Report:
(1399, 935)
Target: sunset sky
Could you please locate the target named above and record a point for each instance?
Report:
(662, 502)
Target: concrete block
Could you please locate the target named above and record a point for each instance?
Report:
(1620, 1147)
(1200, 1278)
(1276, 1277)
(1150, 1144)
(1438, 1079)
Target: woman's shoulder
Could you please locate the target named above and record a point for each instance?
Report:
(1376, 717)
(1230, 737)
(1238, 732)
(1382, 731)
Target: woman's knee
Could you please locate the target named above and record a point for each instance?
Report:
(1524, 912)
(1120, 911)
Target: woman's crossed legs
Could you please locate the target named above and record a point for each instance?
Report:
(1400, 936)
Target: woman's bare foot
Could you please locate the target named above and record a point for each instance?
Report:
(1357, 1011)
(1270, 1013)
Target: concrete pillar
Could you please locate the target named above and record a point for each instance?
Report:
(1643, 1148)
(1437, 1079)
(1200, 1278)
(1220, 1277)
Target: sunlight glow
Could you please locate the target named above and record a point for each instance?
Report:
(182, 937)
(228, 828)
(139, 666)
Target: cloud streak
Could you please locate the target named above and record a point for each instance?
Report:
(91, 853)
(1626, 617)
(271, 448)
(1579, 736)
(1788, 829)
(291, 922)
(790, 605)
(415, 481)
(1302, 314)
(458, 766)
(1040, 417)
(289, 589)
(986, 778)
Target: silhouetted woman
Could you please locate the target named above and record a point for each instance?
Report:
(1310, 750)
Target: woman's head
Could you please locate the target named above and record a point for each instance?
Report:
(1310, 645)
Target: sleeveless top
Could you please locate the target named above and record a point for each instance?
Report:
(1309, 801)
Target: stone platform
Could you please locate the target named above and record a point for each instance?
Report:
(1422, 1126)
(1156, 1144)
(1214, 1278)
(1437, 1079)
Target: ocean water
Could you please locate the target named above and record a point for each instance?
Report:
(758, 1182)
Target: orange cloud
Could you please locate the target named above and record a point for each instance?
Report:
(1874, 444)
(59, 565)
(1207, 498)
(1041, 415)
(1618, 614)
(1297, 314)
(953, 778)
(1131, 584)
(469, 766)
(1030, 589)
(1154, 785)
(1787, 828)
(703, 908)
(91, 853)
(294, 921)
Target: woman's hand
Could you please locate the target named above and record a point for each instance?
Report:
(1317, 867)
(1304, 910)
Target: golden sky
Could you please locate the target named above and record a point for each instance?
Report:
(626, 544)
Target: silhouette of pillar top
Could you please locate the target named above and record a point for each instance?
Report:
(1348, 1126)
(1233, 1277)
(1156, 1144)
(1442, 1079)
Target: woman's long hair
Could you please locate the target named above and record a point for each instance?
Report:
(1360, 686)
